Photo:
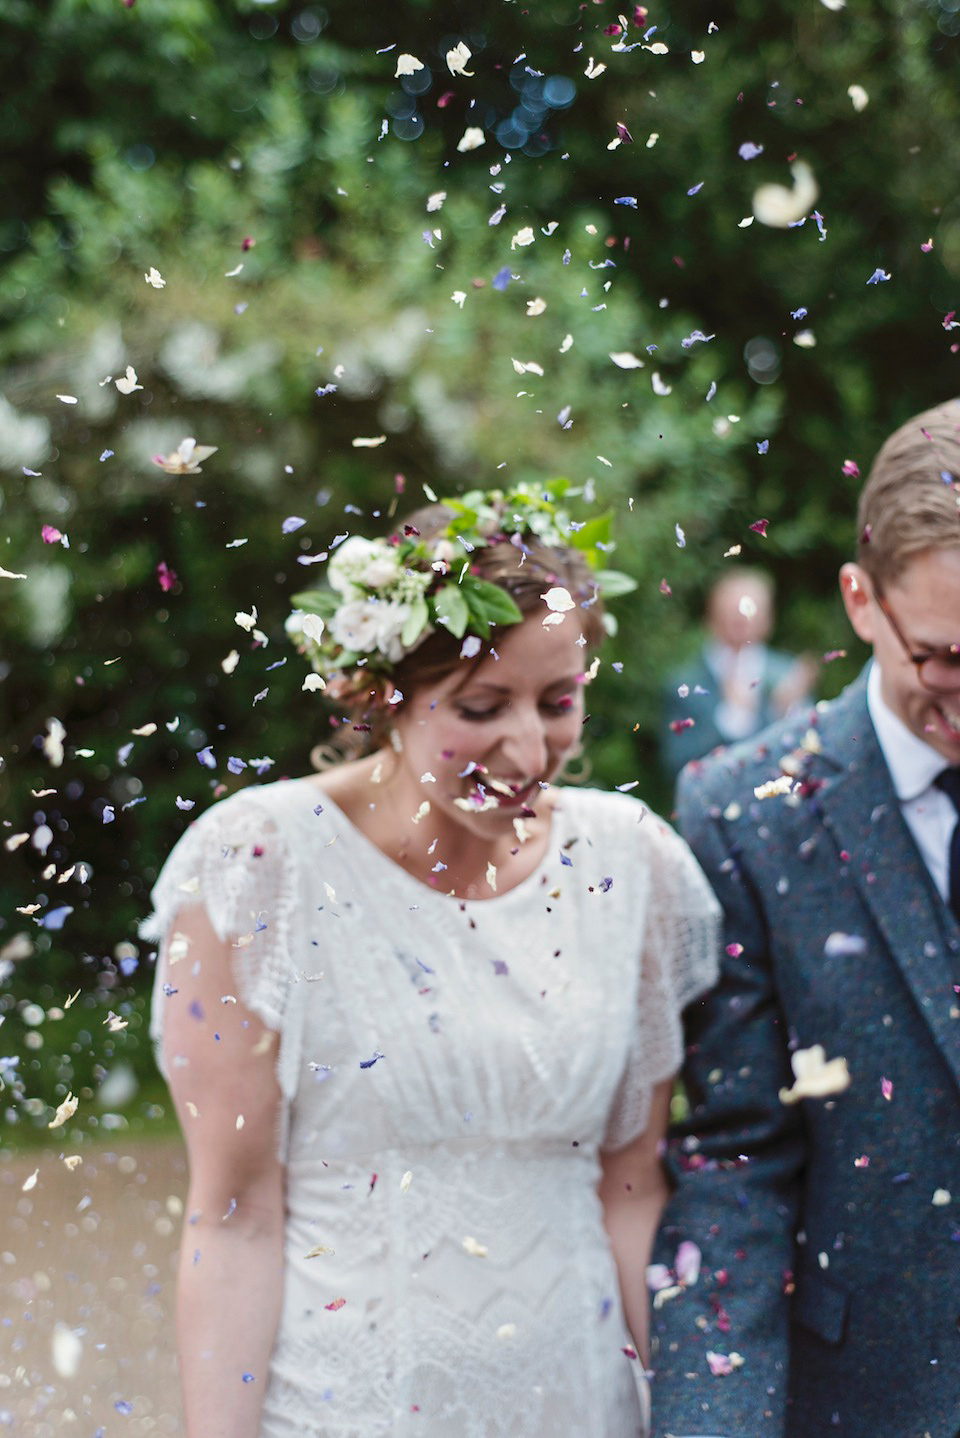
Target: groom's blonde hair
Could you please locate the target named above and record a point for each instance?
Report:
(911, 500)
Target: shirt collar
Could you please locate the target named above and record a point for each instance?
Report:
(913, 763)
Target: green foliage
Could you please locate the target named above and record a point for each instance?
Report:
(172, 136)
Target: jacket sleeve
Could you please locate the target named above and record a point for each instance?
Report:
(721, 1339)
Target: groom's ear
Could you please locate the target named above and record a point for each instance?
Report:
(857, 592)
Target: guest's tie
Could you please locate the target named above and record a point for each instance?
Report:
(949, 781)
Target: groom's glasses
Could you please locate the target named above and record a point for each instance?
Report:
(939, 670)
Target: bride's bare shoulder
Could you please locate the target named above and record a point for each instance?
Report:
(349, 783)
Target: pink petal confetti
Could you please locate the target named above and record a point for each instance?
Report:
(851, 468)
(886, 1088)
(719, 1364)
(687, 1263)
(664, 587)
(759, 526)
(734, 950)
(50, 534)
(862, 1162)
(165, 577)
(336, 1305)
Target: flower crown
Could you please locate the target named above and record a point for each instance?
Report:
(386, 596)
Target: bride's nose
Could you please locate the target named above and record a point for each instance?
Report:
(525, 743)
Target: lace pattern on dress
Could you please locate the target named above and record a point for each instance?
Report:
(236, 861)
(679, 961)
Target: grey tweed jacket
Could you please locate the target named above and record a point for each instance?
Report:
(830, 1229)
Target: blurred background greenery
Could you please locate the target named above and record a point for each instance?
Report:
(336, 267)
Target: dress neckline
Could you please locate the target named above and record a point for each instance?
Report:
(528, 881)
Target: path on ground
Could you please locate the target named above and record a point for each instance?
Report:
(87, 1261)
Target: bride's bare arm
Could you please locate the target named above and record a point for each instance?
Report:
(633, 1190)
(221, 1063)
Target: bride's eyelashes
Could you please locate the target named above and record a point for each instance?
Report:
(562, 705)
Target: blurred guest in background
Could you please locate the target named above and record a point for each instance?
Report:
(736, 685)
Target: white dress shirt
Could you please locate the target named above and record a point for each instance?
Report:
(746, 667)
(914, 765)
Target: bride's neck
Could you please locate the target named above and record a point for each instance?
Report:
(421, 839)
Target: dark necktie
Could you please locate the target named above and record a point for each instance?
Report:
(949, 781)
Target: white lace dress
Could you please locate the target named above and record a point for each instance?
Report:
(455, 1177)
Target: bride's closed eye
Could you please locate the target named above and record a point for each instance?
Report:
(563, 705)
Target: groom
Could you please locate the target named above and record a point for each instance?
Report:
(822, 1189)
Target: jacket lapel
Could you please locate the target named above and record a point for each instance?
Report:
(860, 809)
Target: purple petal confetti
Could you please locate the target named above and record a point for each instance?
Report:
(291, 523)
(53, 920)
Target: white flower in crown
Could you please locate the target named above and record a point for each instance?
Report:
(392, 619)
(364, 625)
(362, 563)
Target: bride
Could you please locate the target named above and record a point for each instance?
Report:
(419, 1015)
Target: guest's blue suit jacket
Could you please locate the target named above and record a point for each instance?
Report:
(830, 1229)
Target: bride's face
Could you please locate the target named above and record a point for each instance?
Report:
(479, 744)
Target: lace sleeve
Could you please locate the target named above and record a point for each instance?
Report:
(235, 861)
(678, 962)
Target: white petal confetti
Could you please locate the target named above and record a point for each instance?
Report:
(815, 1076)
(781, 785)
(65, 1111)
(523, 237)
(407, 65)
(53, 742)
(128, 382)
(186, 458)
(536, 307)
(859, 98)
(559, 600)
(458, 58)
(778, 208)
(623, 359)
(369, 443)
(313, 627)
(594, 69)
(475, 1249)
(471, 139)
(155, 278)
